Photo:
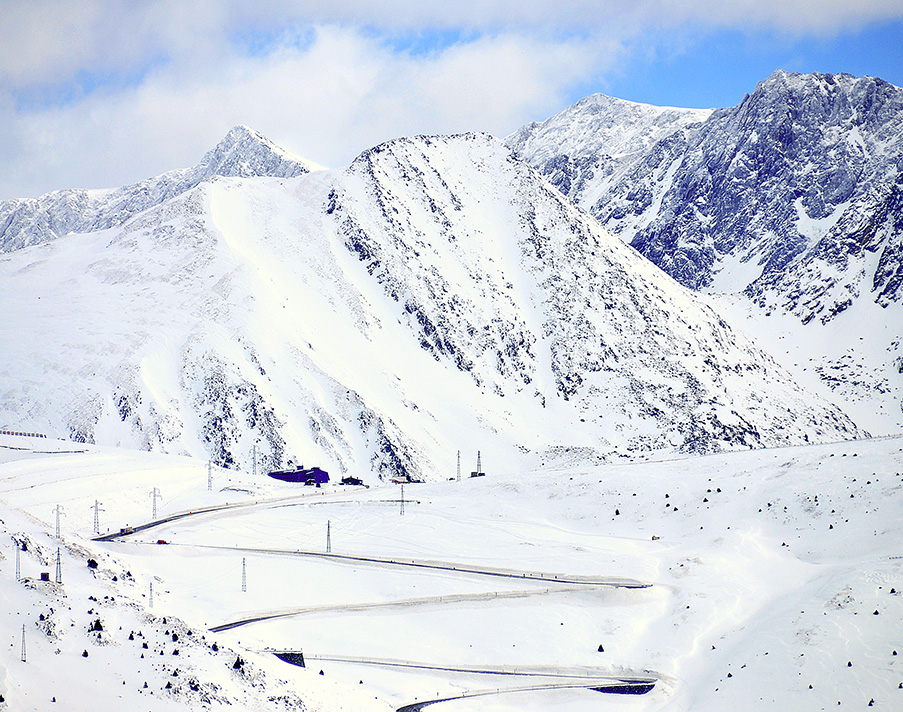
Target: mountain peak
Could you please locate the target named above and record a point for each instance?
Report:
(597, 139)
(804, 87)
(242, 153)
(793, 197)
(246, 153)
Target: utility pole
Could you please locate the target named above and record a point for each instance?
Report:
(328, 537)
(459, 465)
(154, 494)
(244, 576)
(150, 597)
(402, 500)
(96, 517)
(59, 567)
(23, 642)
(209, 475)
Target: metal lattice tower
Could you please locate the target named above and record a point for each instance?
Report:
(254, 460)
(478, 462)
(154, 494)
(459, 465)
(59, 567)
(23, 643)
(58, 508)
(402, 500)
(244, 576)
(96, 517)
(328, 536)
(209, 475)
(18, 566)
(151, 595)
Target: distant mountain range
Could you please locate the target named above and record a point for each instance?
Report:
(798, 182)
(437, 295)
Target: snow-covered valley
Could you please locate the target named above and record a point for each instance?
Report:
(776, 581)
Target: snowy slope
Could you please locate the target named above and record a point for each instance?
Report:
(166, 335)
(436, 296)
(102, 638)
(561, 310)
(776, 583)
(855, 360)
(242, 153)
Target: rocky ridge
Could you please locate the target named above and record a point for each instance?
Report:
(242, 153)
(545, 294)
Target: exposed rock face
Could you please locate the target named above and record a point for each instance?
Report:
(588, 148)
(783, 195)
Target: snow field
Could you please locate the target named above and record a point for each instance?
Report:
(767, 570)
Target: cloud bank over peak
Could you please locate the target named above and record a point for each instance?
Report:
(105, 92)
(339, 92)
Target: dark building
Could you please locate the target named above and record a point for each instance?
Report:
(310, 476)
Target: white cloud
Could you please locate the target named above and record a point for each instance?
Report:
(817, 17)
(327, 101)
(47, 41)
(102, 92)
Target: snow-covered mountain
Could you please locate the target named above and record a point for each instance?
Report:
(586, 149)
(242, 153)
(775, 182)
(437, 295)
(792, 197)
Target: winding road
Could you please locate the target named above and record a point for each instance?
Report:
(617, 686)
(285, 501)
(448, 566)
(558, 678)
(401, 603)
(554, 678)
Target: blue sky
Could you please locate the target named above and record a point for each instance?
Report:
(100, 93)
(716, 68)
